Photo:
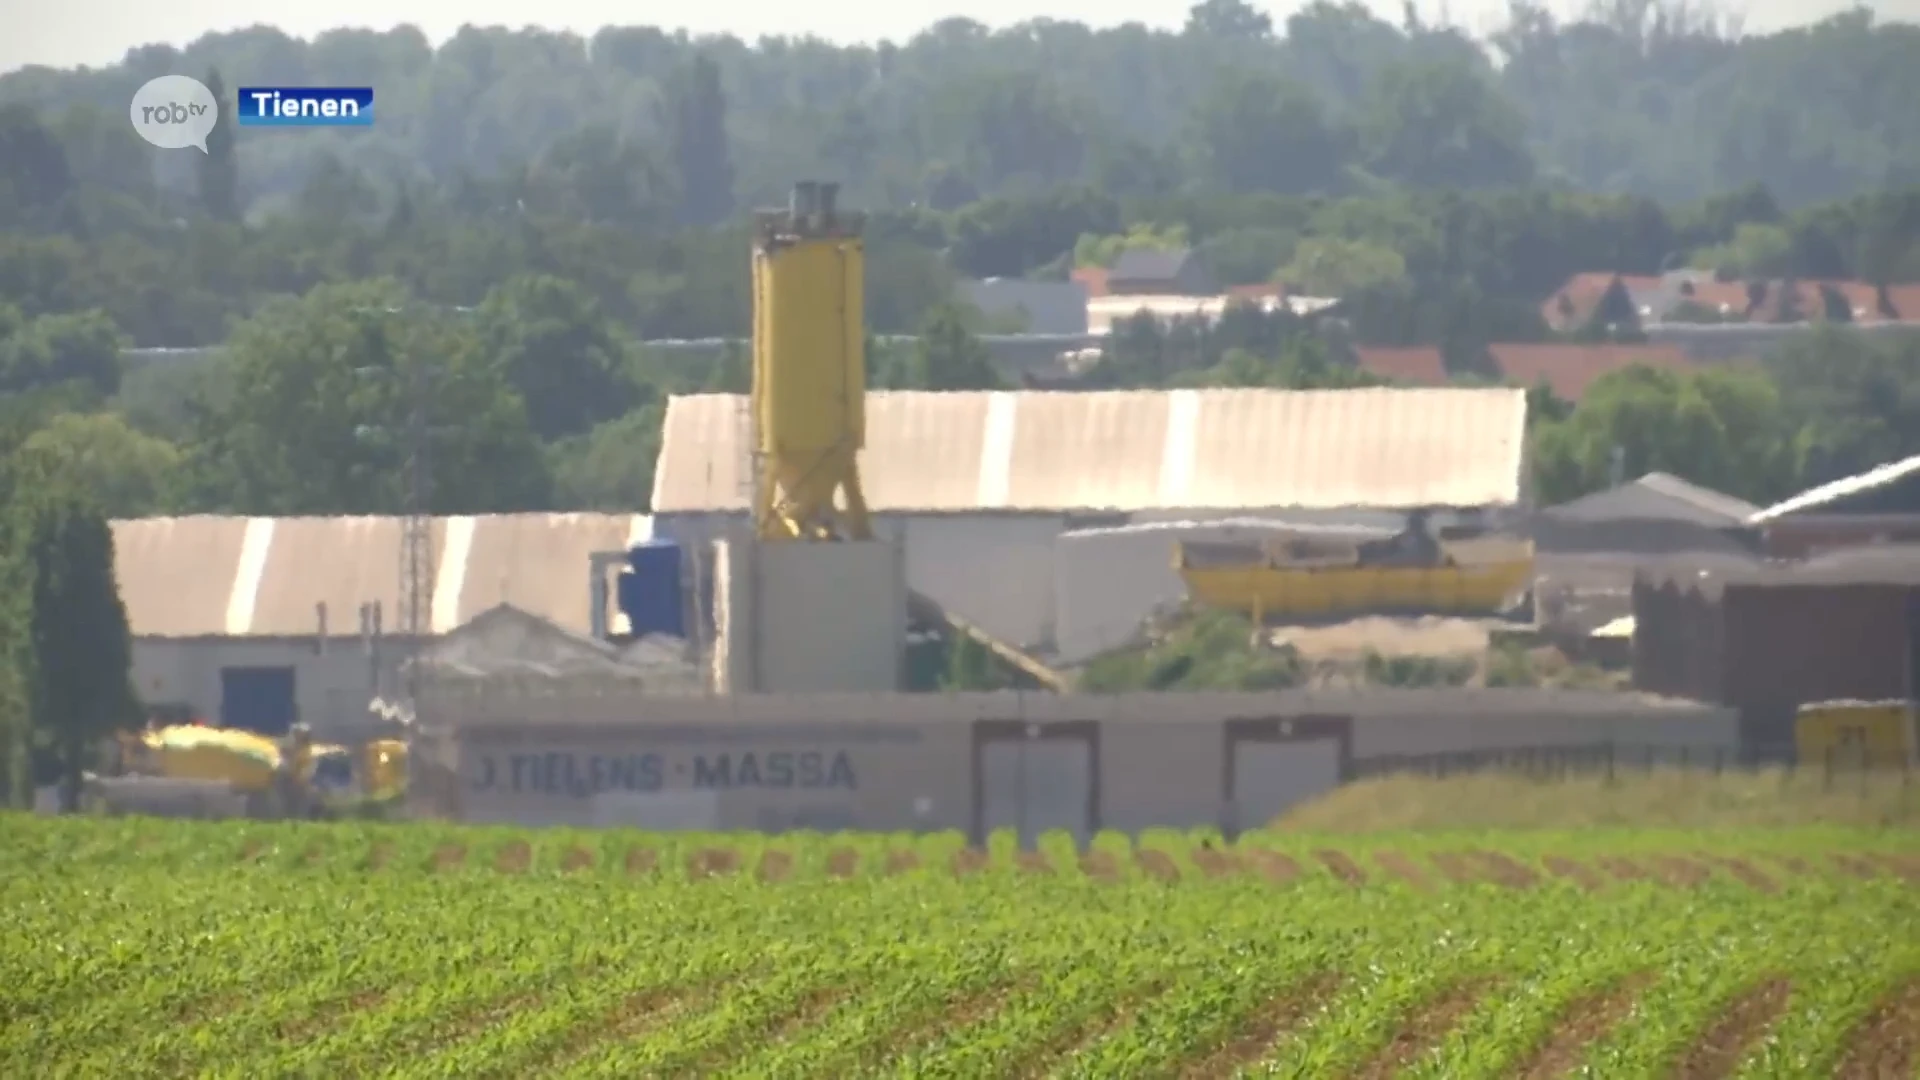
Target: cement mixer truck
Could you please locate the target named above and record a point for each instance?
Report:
(200, 771)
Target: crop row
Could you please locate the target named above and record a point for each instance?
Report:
(141, 952)
(1766, 862)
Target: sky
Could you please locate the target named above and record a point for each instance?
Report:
(99, 32)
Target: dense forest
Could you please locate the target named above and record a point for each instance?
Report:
(532, 209)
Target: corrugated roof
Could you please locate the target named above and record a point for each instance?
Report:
(1657, 495)
(176, 573)
(237, 576)
(1714, 502)
(1839, 489)
(1383, 448)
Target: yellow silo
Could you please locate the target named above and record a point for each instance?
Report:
(809, 369)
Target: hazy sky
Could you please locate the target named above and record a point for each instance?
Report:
(96, 32)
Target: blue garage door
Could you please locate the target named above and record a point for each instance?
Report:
(257, 699)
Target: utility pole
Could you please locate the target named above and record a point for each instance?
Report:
(416, 577)
(416, 537)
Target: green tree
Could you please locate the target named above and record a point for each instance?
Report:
(82, 650)
(697, 121)
(81, 347)
(1854, 399)
(611, 467)
(317, 413)
(1725, 429)
(1233, 20)
(1259, 132)
(219, 167)
(1335, 267)
(1756, 251)
(1443, 125)
(16, 651)
(562, 356)
(949, 357)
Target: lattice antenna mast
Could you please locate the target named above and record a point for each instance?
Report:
(416, 538)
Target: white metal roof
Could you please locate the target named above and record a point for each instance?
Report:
(209, 576)
(1127, 450)
(1839, 489)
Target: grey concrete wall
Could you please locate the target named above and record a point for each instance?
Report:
(331, 686)
(811, 618)
(911, 762)
(1444, 729)
(769, 777)
(995, 570)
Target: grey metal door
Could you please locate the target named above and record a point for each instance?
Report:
(1271, 776)
(1032, 786)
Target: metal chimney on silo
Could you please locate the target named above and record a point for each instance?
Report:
(806, 198)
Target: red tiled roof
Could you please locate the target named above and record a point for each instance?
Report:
(1573, 303)
(1416, 365)
(1569, 369)
(1093, 277)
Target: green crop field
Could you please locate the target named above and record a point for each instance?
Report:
(137, 948)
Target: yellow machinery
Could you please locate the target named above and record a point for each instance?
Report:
(1290, 577)
(297, 771)
(243, 760)
(1855, 734)
(377, 771)
(809, 369)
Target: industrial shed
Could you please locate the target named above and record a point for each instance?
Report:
(976, 762)
(1769, 639)
(257, 621)
(980, 485)
(1589, 550)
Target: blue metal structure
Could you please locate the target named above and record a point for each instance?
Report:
(649, 591)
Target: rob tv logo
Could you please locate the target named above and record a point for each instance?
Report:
(305, 106)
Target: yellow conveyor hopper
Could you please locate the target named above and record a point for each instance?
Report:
(1483, 576)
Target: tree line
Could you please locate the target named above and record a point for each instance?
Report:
(65, 647)
(512, 271)
(1664, 98)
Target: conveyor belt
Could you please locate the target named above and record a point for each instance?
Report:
(927, 610)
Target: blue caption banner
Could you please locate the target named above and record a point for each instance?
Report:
(305, 106)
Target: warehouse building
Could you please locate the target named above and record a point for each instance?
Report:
(980, 486)
(979, 762)
(255, 622)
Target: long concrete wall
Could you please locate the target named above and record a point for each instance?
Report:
(976, 761)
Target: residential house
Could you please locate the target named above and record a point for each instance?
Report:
(1032, 307)
(1699, 296)
(1589, 299)
(1160, 272)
